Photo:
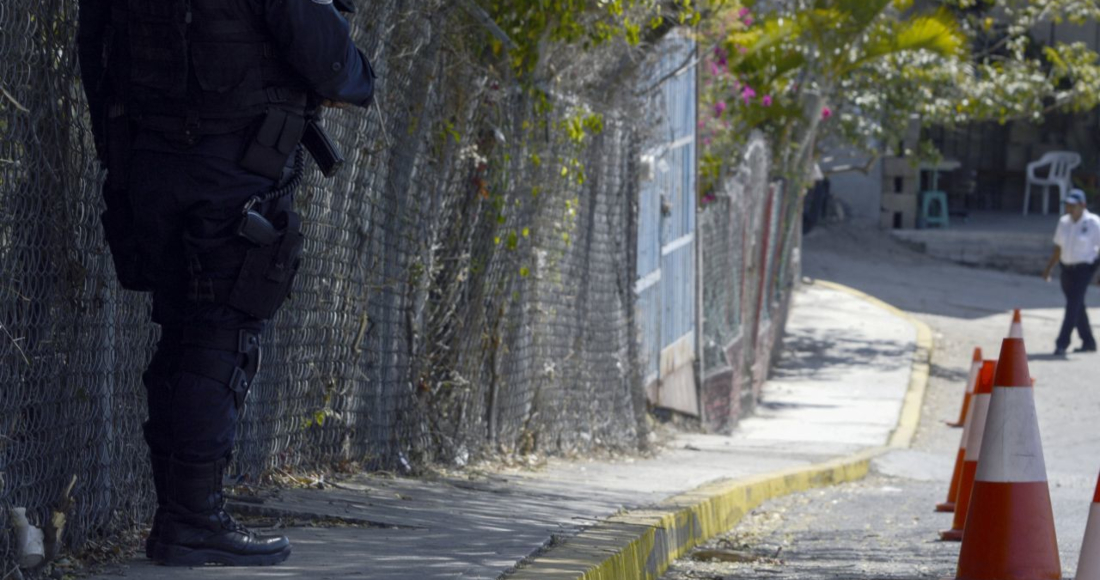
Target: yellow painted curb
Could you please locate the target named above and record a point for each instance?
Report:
(640, 545)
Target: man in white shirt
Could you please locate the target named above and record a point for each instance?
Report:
(1076, 248)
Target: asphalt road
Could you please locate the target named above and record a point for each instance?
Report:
(884, 526)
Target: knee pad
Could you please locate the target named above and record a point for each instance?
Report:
(202, 358)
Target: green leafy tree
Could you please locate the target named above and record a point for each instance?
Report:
(1011, 75)
(861, 69)
(795, 69)
(534, 25)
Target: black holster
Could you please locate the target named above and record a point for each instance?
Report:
(266, 278)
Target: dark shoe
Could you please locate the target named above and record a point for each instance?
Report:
(1085, 349)
(197, 530)
(160, 484)
(1059, 352)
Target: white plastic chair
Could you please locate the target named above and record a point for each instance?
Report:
(1061, 165)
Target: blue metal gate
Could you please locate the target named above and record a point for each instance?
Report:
(666, 230)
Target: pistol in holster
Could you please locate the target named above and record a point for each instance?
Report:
(271, 262)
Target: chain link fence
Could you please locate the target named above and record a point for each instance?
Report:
(467, 286)
(749, 251)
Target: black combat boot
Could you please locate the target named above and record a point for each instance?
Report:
(160, 484)
(196, 529)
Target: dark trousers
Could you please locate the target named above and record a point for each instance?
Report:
(1075, 283)
(188, 202)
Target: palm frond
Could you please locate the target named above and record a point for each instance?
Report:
(769, 34)
(861, 13)
(937, 33)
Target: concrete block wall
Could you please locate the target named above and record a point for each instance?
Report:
(901, 184)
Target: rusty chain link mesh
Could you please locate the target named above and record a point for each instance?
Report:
(731, 233)
(460, 296)
(749, 265)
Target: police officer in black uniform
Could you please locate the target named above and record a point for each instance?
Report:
(198, 108)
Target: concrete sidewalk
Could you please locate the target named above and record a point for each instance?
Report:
(844, 380)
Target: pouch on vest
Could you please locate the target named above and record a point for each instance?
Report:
(275, 140)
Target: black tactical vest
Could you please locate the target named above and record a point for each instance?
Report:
(197, 67)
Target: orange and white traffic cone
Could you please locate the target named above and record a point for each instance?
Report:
(1009, 531)
(1016, 329)
(975, 365)
(1088, 567)
(975, 428)
(953, 488)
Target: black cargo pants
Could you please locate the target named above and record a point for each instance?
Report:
(188, 201)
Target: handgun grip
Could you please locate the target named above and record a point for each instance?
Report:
(322, 148)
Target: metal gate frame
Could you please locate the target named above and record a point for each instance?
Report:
(667, 261)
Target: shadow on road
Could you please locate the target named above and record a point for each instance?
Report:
(828, 254)
(953, 375)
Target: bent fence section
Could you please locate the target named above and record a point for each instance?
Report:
(750, 264)
(468, 286)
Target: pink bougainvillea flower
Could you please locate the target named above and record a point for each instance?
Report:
(747, 94)
(766, 101)
(748, 21)
(721, 56)
(706, 141)
(826, 113)
(744, 12)
(714, 70)
(742, 49)
(719, 108)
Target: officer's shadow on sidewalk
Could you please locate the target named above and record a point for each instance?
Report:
(814, 354)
